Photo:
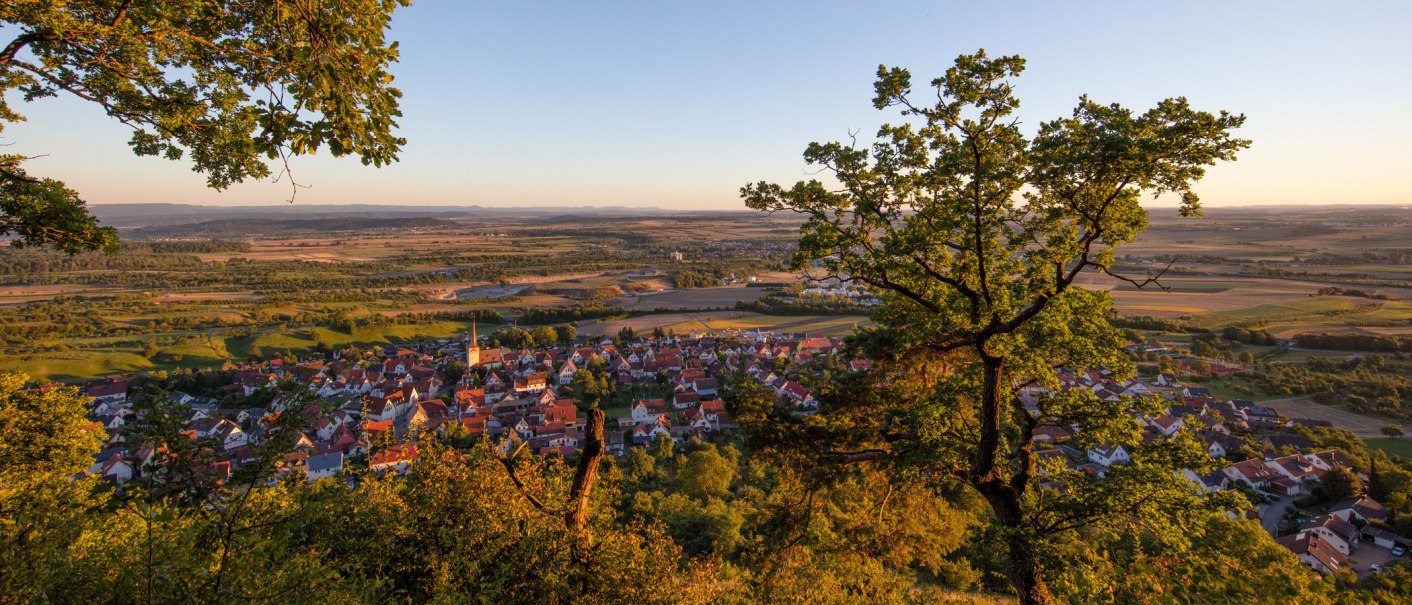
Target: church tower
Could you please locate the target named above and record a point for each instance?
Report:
(473, 349)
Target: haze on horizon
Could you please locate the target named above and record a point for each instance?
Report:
(643, 104)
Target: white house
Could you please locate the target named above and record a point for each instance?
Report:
(1315, 552)
(325, 465)
(1109, 455)
(1338, 533)
(230, 435)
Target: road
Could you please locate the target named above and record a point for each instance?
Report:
(1271, 516)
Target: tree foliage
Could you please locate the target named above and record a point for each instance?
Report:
(1221, 560)
(456, 528)
(975, 236)
(706, 474)
(589, 389)
(703, 523)
(545, 335)
(44, 433)
(1338, 484)
(229, 85)
(44, 439)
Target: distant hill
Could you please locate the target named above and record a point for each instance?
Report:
(142, 215)
(235, 228)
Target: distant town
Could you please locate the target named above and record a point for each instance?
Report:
(380, 403)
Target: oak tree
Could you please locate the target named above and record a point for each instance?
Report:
(230, 85)
(45, 439)
(976, 236)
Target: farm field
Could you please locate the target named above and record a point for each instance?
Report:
(1398, 446)
(1304, 407)
(1230, 388)
(203, 297)
(16, 295)
(701, 298)
(1283, 308)
(682, 323)
(212, 349)
(1287, 272)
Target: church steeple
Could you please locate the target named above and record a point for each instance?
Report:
(473, 349)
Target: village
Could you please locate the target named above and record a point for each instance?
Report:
(380, 403)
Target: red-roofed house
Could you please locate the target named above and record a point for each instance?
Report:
(395, 458)
(1315, 552)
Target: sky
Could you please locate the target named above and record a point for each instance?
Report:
(679, 104)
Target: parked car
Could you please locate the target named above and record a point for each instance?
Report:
(1399, 550)
(1375, 568)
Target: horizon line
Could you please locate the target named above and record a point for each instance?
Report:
(1405, 204)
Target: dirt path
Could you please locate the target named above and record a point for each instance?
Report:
(1305, 407)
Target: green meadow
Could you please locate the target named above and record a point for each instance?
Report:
(100, 357)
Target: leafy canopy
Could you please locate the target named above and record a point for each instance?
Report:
(231, 85)
(976, 235)
(44, 434)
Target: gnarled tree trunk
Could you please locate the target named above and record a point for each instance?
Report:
(576, 517)
(1023, 563)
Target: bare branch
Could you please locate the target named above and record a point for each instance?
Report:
(857, 456)
(1151, 278)
(509, 462)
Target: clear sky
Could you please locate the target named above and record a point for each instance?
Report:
(678, 104)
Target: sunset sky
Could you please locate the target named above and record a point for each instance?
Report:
(676, 105)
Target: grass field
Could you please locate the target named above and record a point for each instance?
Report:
(1400, 447)
(830, 325)
(613, 414)
(682, 323)
(1304, 407)
(304, 340)
(1197, 297)
(701, 298)
(1311, 315)
(1319, 308)
(1227, 388)
(77, 365)
(213, 349)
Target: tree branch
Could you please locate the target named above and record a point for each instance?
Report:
(22, 41)
(121, 14)
(509, 462)
(1151, 279)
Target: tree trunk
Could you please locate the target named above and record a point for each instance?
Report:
(1022, 568)
(575, 514)
(983, 463)
(576, 518)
